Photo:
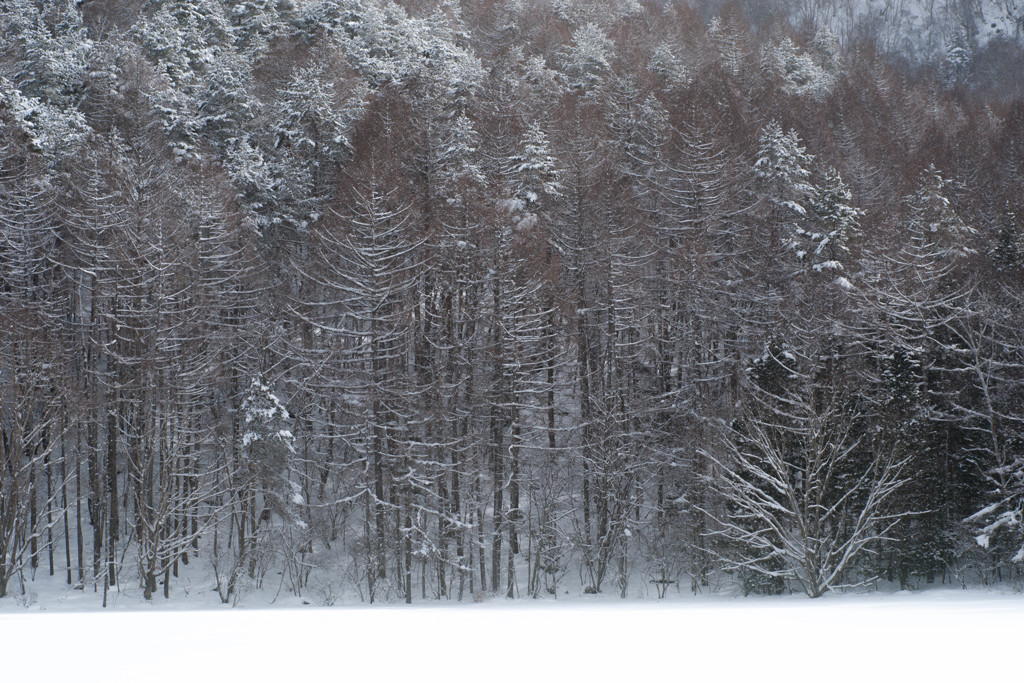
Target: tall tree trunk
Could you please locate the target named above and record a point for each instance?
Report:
(407, 549)
(97, 503)
(480, 545)
(33, 514)
(47, 465)
(113, 521)
(514, 513)
(79, 497)
(498, 470)
(64, 503)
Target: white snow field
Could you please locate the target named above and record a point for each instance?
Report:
(934, 635)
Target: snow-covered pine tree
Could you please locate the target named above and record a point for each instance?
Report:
(784, 215)
(586, 63)
(783, 166)
(271, 495)
(990, 409)
(918, 297)
(728, 37)
(835, 223)
(535, 169)
(269, 450)
(48, 49)
(799, 72)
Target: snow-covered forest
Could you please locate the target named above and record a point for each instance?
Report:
(438, 299)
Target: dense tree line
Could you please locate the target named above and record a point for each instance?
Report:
(443, 299)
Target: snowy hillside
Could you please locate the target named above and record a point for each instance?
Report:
(920, 29)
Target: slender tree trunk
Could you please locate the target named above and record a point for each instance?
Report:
(371, 570)
(498, 468)
(460, 550)
(443, 533)
(97, 500)
(378, 505)
(33, 515)
(514, 512)
(552, 442)
(480, 545)
(64, 503)
(408, 551)
(49, 509)
(113, 521)
(79, 497)
(586, 417)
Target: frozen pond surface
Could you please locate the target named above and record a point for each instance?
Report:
(939, 635)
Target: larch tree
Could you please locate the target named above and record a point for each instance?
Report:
(32, 415)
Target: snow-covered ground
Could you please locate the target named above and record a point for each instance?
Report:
(928, 635)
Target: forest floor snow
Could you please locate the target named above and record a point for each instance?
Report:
(938, 634)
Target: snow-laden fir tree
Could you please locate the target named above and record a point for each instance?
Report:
(668, 67)
(1008, 250)
(827, 48)
(992, 410)
(53, 50)
(800, 73)
(185, 38)
(783, 164)
(306, 142)
(920, 294)
(44, 85)
(783, 168)
(932, 220)
(730, 40)
(825, 240)
(587, 62)
(535, 169)
(269, 448)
